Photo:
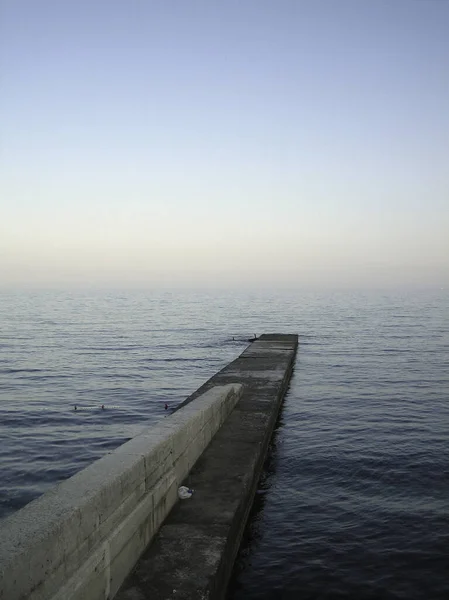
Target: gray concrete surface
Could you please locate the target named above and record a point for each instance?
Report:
(82, 538)
(193, 553)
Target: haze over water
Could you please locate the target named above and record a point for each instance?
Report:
(197, 143)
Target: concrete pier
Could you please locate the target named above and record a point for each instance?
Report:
(193, 553)
(84, 539)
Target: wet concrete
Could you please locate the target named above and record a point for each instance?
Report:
(193, 553)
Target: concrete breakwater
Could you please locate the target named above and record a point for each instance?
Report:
(82, 539)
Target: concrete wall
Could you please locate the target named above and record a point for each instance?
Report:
(192, 555)
(81, 539)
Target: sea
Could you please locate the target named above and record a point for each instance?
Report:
(353, 502)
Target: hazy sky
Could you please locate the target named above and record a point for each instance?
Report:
(213, 142)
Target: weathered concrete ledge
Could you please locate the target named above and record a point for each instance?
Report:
(81, 539)
(193, 553)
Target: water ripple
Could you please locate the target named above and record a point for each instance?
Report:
(357, 478)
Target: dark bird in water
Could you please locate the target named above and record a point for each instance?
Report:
(102, 407)
(76, 407)
(166, 406)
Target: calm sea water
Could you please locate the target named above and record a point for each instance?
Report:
(356, 487)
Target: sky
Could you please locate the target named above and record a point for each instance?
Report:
(220, 143)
